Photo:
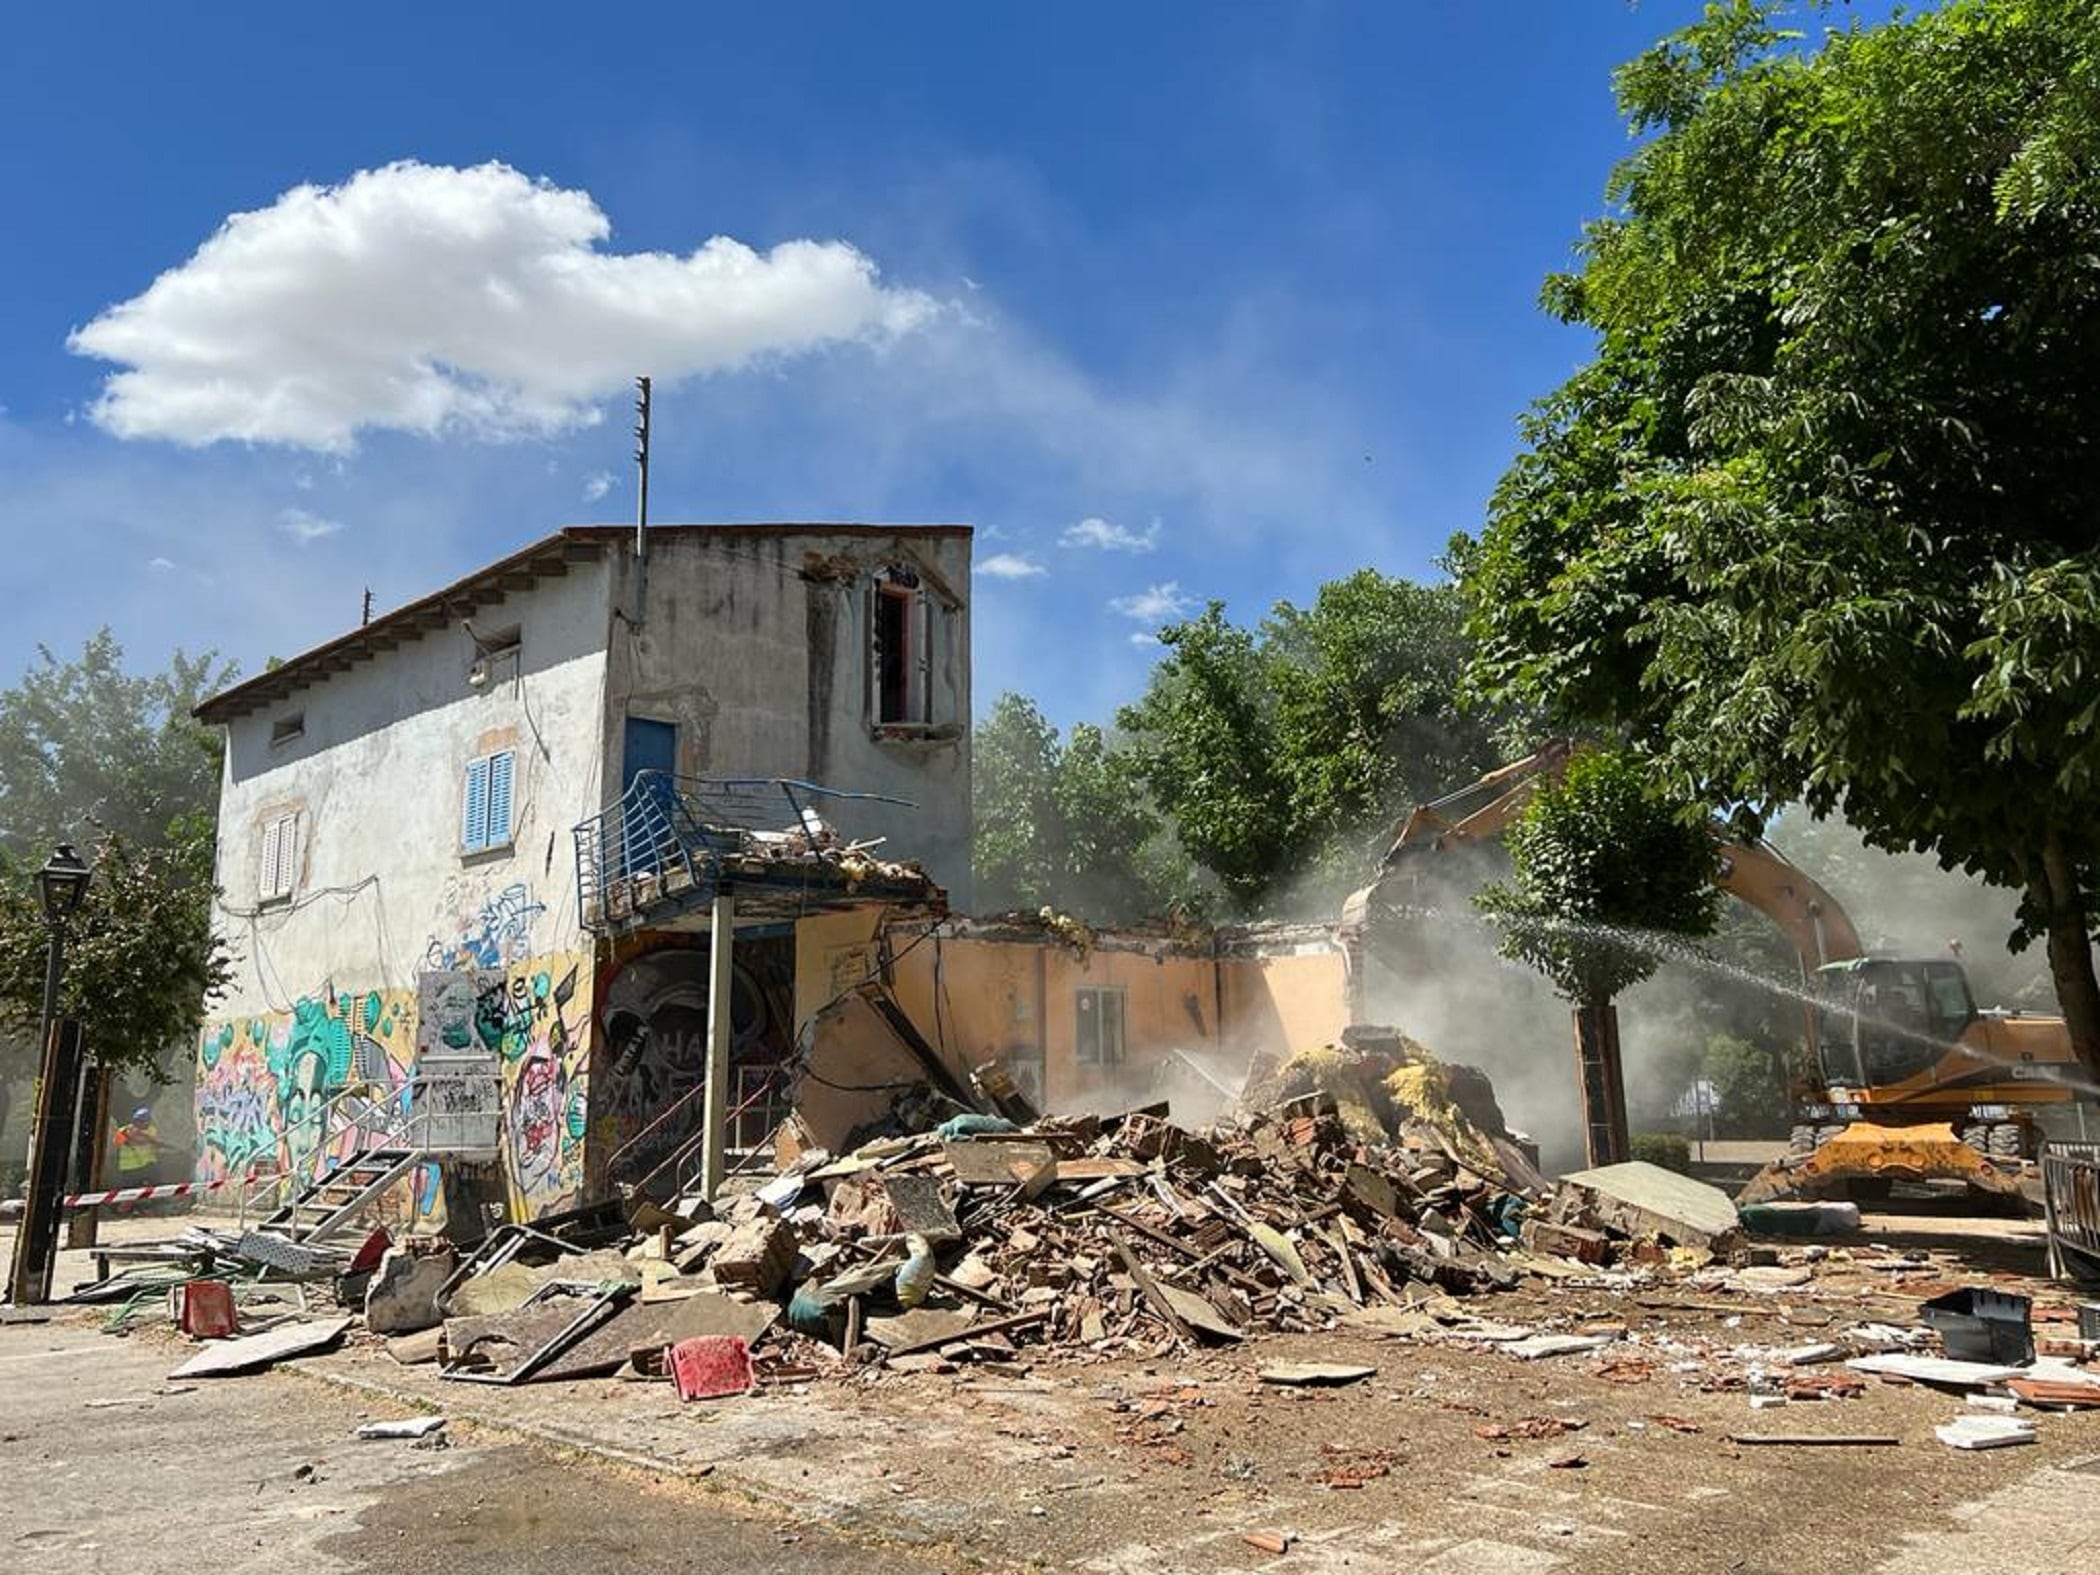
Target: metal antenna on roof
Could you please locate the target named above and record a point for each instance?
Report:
(367, 618)
(641, 462)
(641, 503)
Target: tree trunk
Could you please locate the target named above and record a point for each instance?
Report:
(1605, 1138)
(2061, 898)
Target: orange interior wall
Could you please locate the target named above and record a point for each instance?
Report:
(980, 999)
(1284, 1004)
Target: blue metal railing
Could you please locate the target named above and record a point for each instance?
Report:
(670, 835)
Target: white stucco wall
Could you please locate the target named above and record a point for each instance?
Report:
(382, 889)
(757, 644)
(316, 1040)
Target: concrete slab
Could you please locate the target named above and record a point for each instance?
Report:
(1643, 1199)
(223, 1358)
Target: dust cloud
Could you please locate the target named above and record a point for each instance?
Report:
(1435, 975)
(1906, 903)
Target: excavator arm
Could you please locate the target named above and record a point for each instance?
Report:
(1933, 1137)
(1755, 872)
(1759, 874)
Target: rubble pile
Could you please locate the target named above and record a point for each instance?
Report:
(1096, 1234)
(1364, 1181)
(1133, 1231)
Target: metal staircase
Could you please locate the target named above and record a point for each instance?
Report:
(329, 1204)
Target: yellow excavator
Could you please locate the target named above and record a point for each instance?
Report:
(1905, 1078)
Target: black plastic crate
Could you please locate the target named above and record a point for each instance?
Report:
(2089, 1320)
(1981, 1325)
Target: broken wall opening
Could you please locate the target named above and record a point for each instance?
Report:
(649, 1065)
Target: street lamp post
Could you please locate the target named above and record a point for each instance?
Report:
(61, 883)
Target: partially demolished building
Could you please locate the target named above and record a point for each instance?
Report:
(475, 856)
(454, 833)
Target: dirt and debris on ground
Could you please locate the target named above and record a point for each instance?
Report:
(1353, 1320)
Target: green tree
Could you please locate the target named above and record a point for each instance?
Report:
(1013, 754)
(87, 748)
(1601, 867)
(1279, 752)
(140, 953)
(114, 762)
(1818, 521)
(1206, 742)
(1065, 823)
(1749, 1078)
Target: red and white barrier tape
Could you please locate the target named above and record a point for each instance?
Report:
(173, 1189)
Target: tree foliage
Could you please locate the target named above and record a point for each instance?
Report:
(140, 954)
(1280, 752)
(87, 748)
(1749, 1078)
(1601, 866)
(1821, 518)
(114, 762)
(1066, 822)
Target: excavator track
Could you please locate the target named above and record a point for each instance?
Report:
(1868, 1152)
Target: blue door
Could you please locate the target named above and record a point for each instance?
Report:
(650, 746)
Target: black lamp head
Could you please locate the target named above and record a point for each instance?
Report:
(62, 882)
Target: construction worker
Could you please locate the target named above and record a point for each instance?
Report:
(138, 1149)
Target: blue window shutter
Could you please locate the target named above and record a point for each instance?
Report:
(474, 820)
(500, 767)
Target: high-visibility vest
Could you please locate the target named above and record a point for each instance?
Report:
(134, 1149)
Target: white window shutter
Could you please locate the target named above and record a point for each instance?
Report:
(921, 637)
(272, 857)
(874, 604)
(288, 855)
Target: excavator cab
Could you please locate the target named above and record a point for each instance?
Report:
(1882, 1020)
(1890, 1036)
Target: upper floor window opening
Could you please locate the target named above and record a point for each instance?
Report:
(277, 874)
(911, 638)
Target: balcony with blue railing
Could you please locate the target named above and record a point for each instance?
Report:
(671, 843)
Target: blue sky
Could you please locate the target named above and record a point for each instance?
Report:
(1172, 300)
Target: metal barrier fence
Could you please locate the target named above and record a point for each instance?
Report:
(2071, 1209)
(669, 835)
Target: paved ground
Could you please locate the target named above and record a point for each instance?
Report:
(1139, 1470)
(102, 1469)
(1116, 1466)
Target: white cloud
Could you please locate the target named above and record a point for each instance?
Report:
(597, 484)
(428, 299)
(160, 565)
(1009, 566)
(1144, 641)
(1105, 536)
(1155, 603)
(305, 527)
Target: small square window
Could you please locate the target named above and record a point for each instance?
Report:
(278, 873)
(286, 728)
(496, 660)
(485, 814)
(1100, 1015)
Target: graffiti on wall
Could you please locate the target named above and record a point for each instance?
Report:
(492, 931)
(530, 1019)
(644, 1098)
(299, 1091)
